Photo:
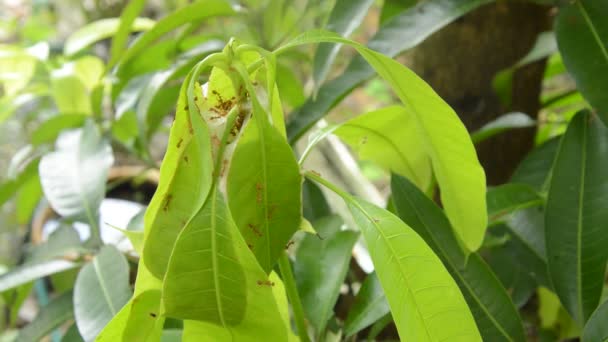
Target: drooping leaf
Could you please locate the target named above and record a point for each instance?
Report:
(582, 37)
(389, 137)
(192, 12)
(576, 215)
(266, 204)
(29, 272)
(596, 329)
(444, 136)
(402, 32)
(101, 290)
(344, 18)
(51, 316)
(74, 176)
(320, 268)
(502, 124)
(509, 197)
(535, 169)
(490, 304)
(370, 306)
(99, 30)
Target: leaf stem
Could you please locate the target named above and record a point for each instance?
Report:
(294, 298)
(318, 179)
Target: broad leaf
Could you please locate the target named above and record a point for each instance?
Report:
(576, 216)
(390, 138)
(320, 268)
(99, 30)
(444, 136)
(51, 316)
(582, 37)
(402, 32)
(74, 176)
(29, 272)
(370, 306)
(507, 198)
(101, 290)
(490, 304)
(199, 10)
(596, 329)
(345, 17)
(264, 189)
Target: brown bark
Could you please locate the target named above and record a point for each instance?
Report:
(461, 60)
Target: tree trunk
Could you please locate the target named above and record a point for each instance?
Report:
(461, 60)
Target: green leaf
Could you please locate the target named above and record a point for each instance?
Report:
(128, 22)
(74, 176)
(193, 12)
(582, 37)
(72, 335)
(29, 272)
(391, 8)
(320, 268)
(444, 136)
(314, 202)
(185, 181)
(13, 300)
(401, 33)
(389, 137)
(576, 214)
(490, 304)
(144, 322)
(535, 169)
(596, 329)
(70, 94)
(99, 30)
(101, 290)
(507, 198)
(62, 241)
(50, 129)
(502, 124)
(344, 18)
(266, 204)
(51, 316)
(370, 306)
(425, 302)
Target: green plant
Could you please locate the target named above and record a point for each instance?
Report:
(239, 242)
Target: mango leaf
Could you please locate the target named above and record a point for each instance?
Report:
(576, 214)
(51, 316)
(101, 290)
(189, 13)
(370, 306)
(314, 202)
(495, 314)
(321, 267)
(114, 329)
(402, 32)
(185, 181)
(507, 198)
(425, 302)
(70, 94)
(144, 322)
(596, 329)
(582, 37)
(389, 137)
(224, 289)
(50, 129)
(266, 204)
(344, 18)
(99, 30)
(62, 241)
(535, 169)
(444, 136)
(32, 271)
(74, 176)
(502, 124)
(127, 23)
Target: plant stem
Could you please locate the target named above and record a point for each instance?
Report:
(317, 178)
(294, 298)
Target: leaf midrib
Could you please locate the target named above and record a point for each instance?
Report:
(579, 224)
(594, 32)
(102, 285)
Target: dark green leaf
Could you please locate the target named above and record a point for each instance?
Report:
(596, 329)
(535, 169)
(321, 266)
(507, 198)
(576, 216)
(402, 32)
(314, 202)
(101, 290)
(496, 317)
(51, 316)
(582, 36)
(344, 18)
(370, 306)
(72, 335)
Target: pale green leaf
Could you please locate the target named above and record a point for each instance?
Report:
(29, 272)
(51, 316)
